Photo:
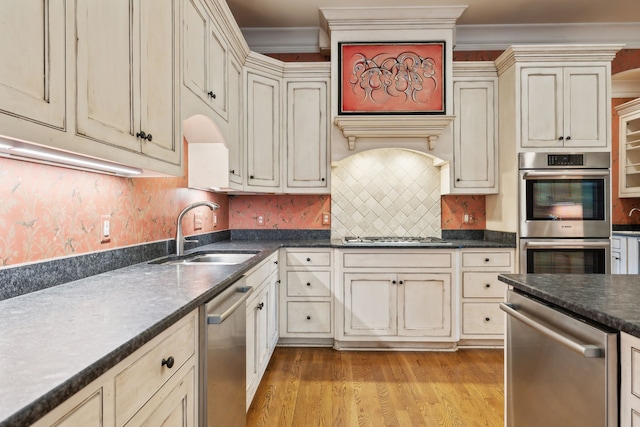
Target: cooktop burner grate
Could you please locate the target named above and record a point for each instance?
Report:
(395, 240)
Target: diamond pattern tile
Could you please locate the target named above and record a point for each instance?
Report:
(385, 192)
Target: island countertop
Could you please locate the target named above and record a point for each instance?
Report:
(612, 300)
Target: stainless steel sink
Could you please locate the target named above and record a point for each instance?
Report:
(226, 259)
(210, 258)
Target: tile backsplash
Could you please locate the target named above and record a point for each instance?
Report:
(385, 192)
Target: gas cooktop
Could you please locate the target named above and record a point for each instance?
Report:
(395, 240)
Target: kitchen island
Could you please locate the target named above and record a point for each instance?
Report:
(612, 300)
(608, 300)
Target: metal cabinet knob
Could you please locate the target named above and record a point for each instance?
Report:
(487, 260)
(168, 362)
(211, 94)
(487, 319)
(308, 317)
(260, 306)
(144, 135)
(308, 259)
(308, 283)
(393, 282)
(488, 285)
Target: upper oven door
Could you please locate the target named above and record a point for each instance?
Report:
(564, 203)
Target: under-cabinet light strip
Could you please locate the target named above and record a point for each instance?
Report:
(22, 150)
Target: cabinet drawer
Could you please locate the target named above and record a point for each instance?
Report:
(259, 273)
(309, 283)
(140, 380)
(616, 242)
(403, 259)
(309, 317)
(320, 259)
(482, 319)
(482, 285)
(486, 259)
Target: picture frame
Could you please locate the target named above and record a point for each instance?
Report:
(391, 78)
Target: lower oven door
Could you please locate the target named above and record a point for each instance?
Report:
(563, 256)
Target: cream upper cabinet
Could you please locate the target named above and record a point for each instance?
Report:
(307, 127)
(629, 149)
(32, 74)
(205, 57)
(263, 126)
(235, 135)
(565, 106)
(127, 94)
(475, 95)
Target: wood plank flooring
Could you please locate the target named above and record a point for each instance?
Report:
(324, 387)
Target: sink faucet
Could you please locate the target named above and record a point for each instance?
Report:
(179, 237)
(633, 210)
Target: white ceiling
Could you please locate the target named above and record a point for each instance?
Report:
(485, 24)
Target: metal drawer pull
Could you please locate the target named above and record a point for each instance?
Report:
(243, 293)
(169, 362)
(586, 350)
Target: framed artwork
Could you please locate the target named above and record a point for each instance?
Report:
(391, 78)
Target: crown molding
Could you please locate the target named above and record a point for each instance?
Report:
(468, 37)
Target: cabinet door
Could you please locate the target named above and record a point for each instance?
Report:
(205, 57)
(32, 74)
(263, 132)
(424, 305)
(586, 107)
(236, 122)
(474, 139)
(307, 124)
(257, 338)
(159, 86)
(107, 105)
(541, 106)
(172, 406)
(370, 304)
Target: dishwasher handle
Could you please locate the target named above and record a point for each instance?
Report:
(240, 296)
(586, 350)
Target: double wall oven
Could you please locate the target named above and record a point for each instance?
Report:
(564, 210)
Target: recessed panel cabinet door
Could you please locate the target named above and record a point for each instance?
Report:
(106, 101)
(263, 132)
(424, 305)
(370, 304)
(307, 126)
(32, 73)
(586, 107)
(542, 107)
(159, 71)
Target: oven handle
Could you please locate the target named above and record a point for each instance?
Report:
(577, 173)
(581, 244)
(586, 350)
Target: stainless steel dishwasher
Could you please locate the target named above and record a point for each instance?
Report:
(560, 370)
(224, 358)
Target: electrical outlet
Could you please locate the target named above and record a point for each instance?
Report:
(326, 218)
(215, 219)
(260, 220)
(197, 221)
(105, 228)
(467, 218)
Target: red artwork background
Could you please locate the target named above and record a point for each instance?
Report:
(391, 78)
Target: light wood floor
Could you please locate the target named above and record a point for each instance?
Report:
(310, 387)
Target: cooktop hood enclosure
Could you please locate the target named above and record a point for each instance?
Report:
(382, 27)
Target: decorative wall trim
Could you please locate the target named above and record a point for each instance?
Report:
(468, 37)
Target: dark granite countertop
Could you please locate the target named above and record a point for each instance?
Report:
(612, 300)
(59, 339)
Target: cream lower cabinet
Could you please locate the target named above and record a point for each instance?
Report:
(629, 380)
(618, 255)
(481, 317)
(306, 298)
(262, 321)
(156, 385)
(398, 298)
